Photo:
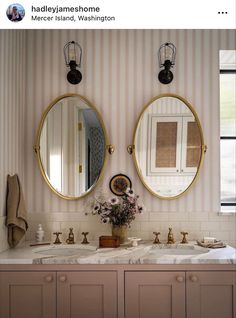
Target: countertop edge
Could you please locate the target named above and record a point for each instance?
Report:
(117, 267)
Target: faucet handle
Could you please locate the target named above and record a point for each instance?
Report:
(85, 241)
(57, 240)
(184, 240)
(156, 241)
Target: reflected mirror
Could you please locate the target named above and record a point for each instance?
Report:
(71, 146)
(168, 146)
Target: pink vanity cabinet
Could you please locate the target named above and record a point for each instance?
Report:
(87, 294)
(154, 294)
(64, 294)
(211, 294)
(27, 294)
(118, 291)
(198, 294)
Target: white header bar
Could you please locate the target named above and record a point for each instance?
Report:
(120, 14)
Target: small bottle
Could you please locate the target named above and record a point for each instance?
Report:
(39, 237)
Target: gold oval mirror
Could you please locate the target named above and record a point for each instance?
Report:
(71, 146)
(168, 146)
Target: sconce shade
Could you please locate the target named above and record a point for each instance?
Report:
(166, 56)
(73, 56)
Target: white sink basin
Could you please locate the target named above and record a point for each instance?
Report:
(164, 249)
(66, 250)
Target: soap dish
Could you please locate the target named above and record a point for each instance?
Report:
(134, 240)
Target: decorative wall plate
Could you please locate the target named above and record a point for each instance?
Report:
(119, 183)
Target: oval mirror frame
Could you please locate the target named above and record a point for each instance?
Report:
(107, 149)
(132, 148)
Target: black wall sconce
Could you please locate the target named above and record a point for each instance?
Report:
(73, 56)
(166, 56)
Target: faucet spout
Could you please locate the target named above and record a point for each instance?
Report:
(170, 238)
(70, 239)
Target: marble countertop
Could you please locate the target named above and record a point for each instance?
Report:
(144, 253)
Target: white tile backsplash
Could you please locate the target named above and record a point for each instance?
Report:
(141, 228)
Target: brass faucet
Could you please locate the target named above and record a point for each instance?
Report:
(156, 241)
(57, 240)
(170, 238)
(184, 240)
(85, 240)
(70, 239)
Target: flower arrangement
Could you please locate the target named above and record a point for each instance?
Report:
(118, 211)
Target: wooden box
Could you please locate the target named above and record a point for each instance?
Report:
(109, 241)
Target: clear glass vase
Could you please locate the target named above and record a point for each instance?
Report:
(121, 232)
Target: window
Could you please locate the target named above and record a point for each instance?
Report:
(228, 130)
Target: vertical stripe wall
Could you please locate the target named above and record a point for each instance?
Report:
(120, 70)
(12, 84)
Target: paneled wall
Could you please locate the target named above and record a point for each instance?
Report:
(119, 76)
(12, 84)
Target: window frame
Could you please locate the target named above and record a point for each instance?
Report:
(227, 71)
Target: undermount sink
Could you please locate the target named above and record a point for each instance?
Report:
(165, 249)
(66, 250)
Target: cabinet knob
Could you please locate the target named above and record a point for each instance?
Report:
(193, 279)
(62, 278)
(179, 279)
(48, 278)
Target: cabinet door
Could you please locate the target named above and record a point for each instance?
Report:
(154, 294)
(27, 295)
(211, 295)
(87, 295)
(165, 144)
(191, 146)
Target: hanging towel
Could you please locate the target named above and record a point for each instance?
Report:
(16, 212)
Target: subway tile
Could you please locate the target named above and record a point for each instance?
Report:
(210, 226)
(156, 216)
(177, 216)
(47, 226)
(164, 226)
(220, 235)
(218, 217)
(229, 226)
(150, 226)
(198, 216)
(135, 226)
(190, 226)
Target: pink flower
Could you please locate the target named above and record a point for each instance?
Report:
(131, 199)
(105, 220)
(114, 201)
(96, 209)
(130, 192)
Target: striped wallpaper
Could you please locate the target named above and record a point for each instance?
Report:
(119, 76)
(12, 84)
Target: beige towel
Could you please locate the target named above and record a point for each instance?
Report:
(216, 244)
(16, 212)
